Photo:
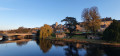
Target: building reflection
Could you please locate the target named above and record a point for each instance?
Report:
(20, 43)
(45, 45)
(58, 43)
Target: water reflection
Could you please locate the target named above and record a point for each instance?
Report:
(48, 48)
(112, 51)
(77, 49)
(95, 50)
(44, 45)
(20, 43)
(71, 50)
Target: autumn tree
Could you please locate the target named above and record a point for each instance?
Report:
(70, 23)
(45, 31)
(91, 19)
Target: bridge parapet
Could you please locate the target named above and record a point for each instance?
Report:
(13, 34)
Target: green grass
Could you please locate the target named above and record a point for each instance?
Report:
(78, 32)
(82, 38)
(51, 37)
(82, 32)
(78, 37)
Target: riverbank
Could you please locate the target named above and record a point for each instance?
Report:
(83, 40)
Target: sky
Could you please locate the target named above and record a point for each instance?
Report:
(36, 13)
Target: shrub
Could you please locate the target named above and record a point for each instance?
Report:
(112, 33)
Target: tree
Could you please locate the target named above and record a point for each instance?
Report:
(70, 23)
(20, 30)
(112, 33)
(23, 30)
(45, 31)
(91, 19)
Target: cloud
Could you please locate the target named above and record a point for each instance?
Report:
(1, 8)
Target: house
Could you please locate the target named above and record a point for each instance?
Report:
(80, 27)
(105, 22)
(60, 35)
(58, 29)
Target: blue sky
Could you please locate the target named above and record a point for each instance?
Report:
(36, 13)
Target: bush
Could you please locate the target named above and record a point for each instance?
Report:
(53, 35)
(112, 33)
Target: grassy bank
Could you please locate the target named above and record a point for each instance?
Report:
(82, 39)
(77, 38)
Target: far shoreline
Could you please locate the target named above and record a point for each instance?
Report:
(84, 41)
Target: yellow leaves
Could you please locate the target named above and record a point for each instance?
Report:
(91, 19)
(45, 31)
(93, 25)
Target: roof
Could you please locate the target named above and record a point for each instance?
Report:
(106, 19)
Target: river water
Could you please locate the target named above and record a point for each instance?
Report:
(29, 47)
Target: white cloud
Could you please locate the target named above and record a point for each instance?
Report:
(1, 8)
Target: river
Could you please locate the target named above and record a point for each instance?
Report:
(30, 47)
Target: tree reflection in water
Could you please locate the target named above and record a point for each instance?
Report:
(44, 45)
(95, 50)
(71, 50)
(83, 50)
(112, 51)
(77, 49)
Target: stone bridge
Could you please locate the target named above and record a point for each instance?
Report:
(6, 35)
